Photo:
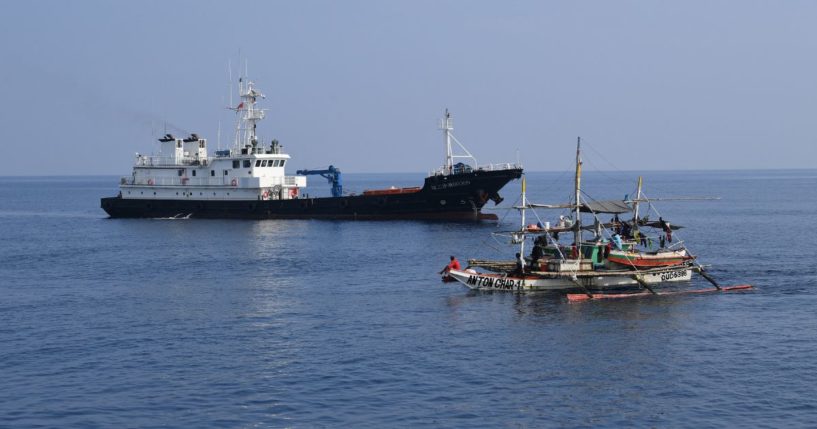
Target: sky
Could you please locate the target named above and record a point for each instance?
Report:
(648, 85)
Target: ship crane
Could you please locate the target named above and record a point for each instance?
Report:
(331, 174)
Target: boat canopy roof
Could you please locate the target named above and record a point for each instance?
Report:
(608, 206)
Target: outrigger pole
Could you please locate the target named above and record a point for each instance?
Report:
(703, 273)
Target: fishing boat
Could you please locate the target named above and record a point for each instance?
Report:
(617, 258)
(250, 181)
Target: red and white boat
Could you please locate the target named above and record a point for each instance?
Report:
(642, 260)
(621, 258)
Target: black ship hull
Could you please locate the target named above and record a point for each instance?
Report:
(444, 197)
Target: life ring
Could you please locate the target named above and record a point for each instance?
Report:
(293, 192)
(265, 195)
(233, 182)
(150, 182)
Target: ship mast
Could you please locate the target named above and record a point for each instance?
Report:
(447, 125)
(249, 115)
(577, 224)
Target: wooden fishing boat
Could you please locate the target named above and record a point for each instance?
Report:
(642, 260)
(619, 256)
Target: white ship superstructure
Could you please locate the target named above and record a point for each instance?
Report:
(185, 171)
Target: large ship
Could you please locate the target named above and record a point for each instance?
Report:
(249, 181)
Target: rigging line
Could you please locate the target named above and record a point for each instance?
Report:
(486, 241)
(605, 230)
(603, 173)
(680, 240)
(592, 148)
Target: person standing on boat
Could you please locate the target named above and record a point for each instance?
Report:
(617, 242)
(520, 264)
(453, 265)
(666, 227)
(537, 252)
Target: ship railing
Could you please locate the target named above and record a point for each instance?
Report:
(444, 171)
(226, 181)
(164, 161)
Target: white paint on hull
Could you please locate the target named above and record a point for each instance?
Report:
(562, 281)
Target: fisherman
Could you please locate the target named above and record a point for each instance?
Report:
(625, 230)
(453, 265)
(597, 228)
(666, 227)
(617, 241)
(537, 253)
(520, 264)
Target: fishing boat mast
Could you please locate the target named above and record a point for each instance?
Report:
(635, 203)
(577, 224)
(524, 227)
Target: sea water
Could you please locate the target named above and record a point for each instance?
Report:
(306, 323)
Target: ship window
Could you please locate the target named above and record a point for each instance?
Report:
(247, 163)
(236, 164)
(264, 163)
(178, 144)
(257, 162)
(154, 192)
(181, 172)
(212, 173)
(201, 144)
(273, 163)
(226, 172)
(282, 162)
(194, 172)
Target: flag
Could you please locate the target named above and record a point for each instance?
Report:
(240, 106)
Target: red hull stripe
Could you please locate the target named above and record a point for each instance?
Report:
(639, 262)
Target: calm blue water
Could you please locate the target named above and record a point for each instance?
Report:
(207, 323)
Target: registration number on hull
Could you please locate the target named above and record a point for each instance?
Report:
(494, 282)
(673, 275)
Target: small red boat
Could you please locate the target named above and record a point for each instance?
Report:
(661, 258)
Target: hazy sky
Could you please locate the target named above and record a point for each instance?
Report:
(647, 84)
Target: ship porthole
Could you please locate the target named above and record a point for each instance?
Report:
(442, 202)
